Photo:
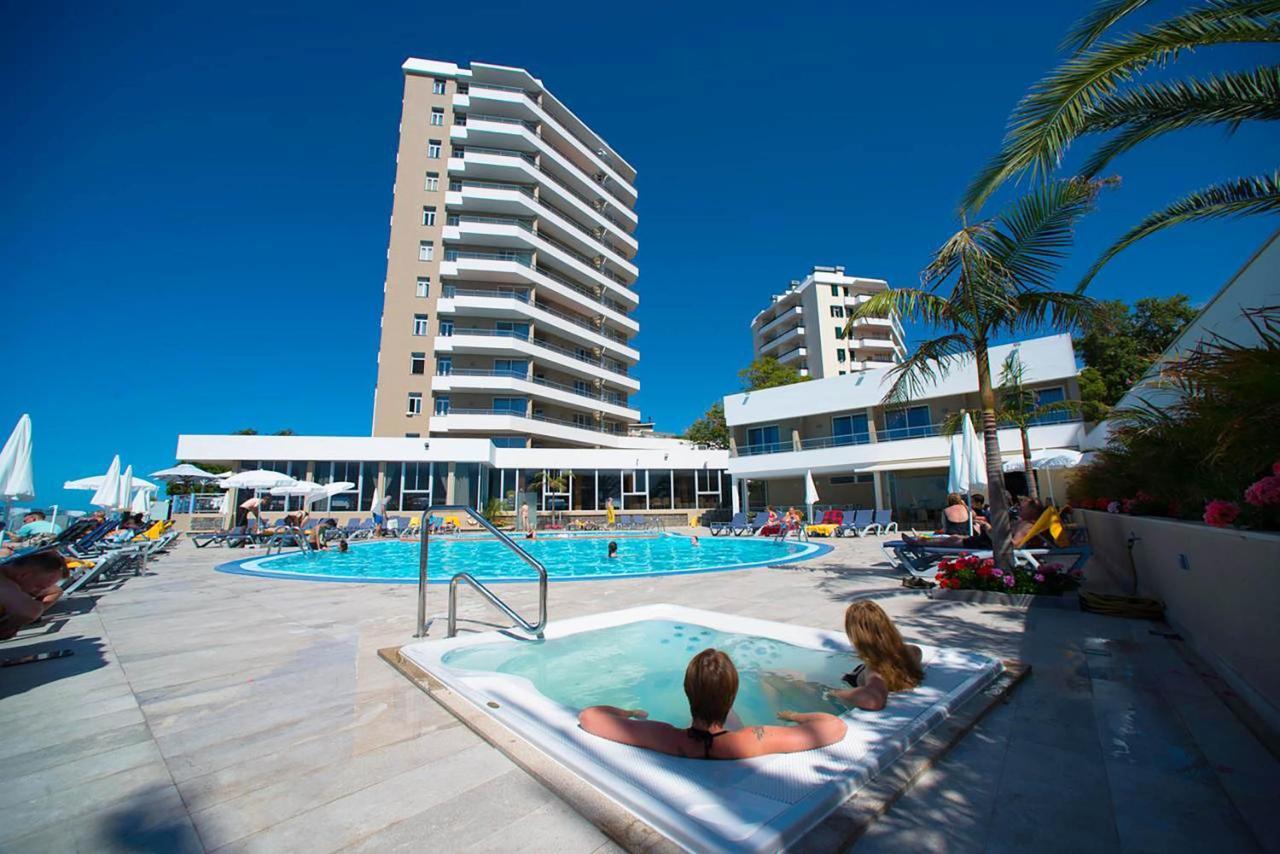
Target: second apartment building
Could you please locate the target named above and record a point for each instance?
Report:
(804, 326)
(510, 282)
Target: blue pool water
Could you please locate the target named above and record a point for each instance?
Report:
(642, 664)
(566, 558)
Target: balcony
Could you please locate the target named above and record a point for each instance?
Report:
(514, 267)
(795, 313)
(504, 341)
(796, 355)
(507, 302)
(486, 96)
(782, 338)
(492, 380)
(491, 421)
(484, 164)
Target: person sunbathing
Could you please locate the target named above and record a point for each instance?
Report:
(1029, 511)
(888, 663)
(28, 586)
(711, 684)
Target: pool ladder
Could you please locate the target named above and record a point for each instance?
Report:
(534, 629)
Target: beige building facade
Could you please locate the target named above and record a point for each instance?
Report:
(510, 283)
(804, 326)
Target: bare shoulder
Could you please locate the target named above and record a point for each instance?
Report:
(916, 652)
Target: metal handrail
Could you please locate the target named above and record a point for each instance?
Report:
(534, 629)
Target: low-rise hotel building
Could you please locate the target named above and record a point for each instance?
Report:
(865, 453)
(804, 326)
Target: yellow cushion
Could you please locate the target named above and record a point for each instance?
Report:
(821, 530)
(1050, 522)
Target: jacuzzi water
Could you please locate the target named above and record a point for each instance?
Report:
(566, 558)
(641, 665)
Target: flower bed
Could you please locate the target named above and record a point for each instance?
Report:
(969, 572)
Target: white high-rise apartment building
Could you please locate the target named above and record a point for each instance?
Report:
(805, 326)
(510, 284)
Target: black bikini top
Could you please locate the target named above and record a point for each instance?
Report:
(851, 678)
(706, 737)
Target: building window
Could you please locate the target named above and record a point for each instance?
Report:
(424, 286)
(433, 149)
(518, 368)
(513, 405)
(1054, 394)
(839, 332)
(437, 86)
(581, 419)
(764, 440)
(437, 116)
(417, 363)
(909, 423)
(840, 355)
(837, 311)
(413, 435)
(419, 325)
(426, 250)
(442, 406)
(429, 215)
(415, 403)
(850, 430)
(433, 181)
(835, 290)
(444, 366)
(582, 387)
(446, 328)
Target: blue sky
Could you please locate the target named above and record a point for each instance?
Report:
(194, 224)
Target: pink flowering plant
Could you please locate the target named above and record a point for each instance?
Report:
(970, 572)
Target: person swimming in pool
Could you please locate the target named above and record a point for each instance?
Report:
(889, 664)
(693, 541)
(613, 549)
(711, 684)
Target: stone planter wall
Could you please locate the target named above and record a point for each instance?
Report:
(1220, 586)
(1022, 601)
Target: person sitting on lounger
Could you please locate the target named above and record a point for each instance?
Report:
(711, 684)
(888, 663)
(956, 517)
(28, 586)
(1028, 511)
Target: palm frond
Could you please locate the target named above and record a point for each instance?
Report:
(1149, 111)
(954, 422)
(1052, 114)
(1057, 309)
(1102, 17)
(907, 304)
(1241, 197)
(1035, 232)
(932, 361)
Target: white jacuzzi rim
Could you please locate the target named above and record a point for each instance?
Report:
(540, 725)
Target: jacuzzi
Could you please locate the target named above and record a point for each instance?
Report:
(637, 656)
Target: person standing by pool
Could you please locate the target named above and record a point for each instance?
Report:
(254, 506)
(610, 515)
(711, 684)
(889, 664)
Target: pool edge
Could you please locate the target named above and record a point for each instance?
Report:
(839, 829)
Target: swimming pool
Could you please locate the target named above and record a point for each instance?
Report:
(567, 558)
(535, 689)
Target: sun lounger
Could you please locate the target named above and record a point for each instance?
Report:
(717, 528)
(862, 523)
(832, 520)
(884, 521)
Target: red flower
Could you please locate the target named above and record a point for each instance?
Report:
(1220, 514)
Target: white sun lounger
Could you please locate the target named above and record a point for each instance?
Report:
(921, 561)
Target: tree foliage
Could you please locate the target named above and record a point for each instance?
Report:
(710, 429)
(1120, 343)
(768, 372)
(1094, 92)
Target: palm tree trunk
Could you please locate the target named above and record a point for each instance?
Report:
(1000, 528)
(1026, 465)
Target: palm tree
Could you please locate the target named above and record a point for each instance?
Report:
(1001, 271)
(1092, 93)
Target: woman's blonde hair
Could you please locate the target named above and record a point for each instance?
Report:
(880, 646)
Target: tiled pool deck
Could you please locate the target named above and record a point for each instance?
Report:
(205, 711)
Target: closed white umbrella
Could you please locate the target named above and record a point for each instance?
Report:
(141, 501)
(958, 473)
(257, 479)
(16, 477)
(108, 492)
(125, 496)
(810, 492)
(734, 502)
(975, 458)
(225, 507)
(17, 481)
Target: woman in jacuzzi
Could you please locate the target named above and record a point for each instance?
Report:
(889, 664)
(711, 684)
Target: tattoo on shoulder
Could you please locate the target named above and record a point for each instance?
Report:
(759, 731)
